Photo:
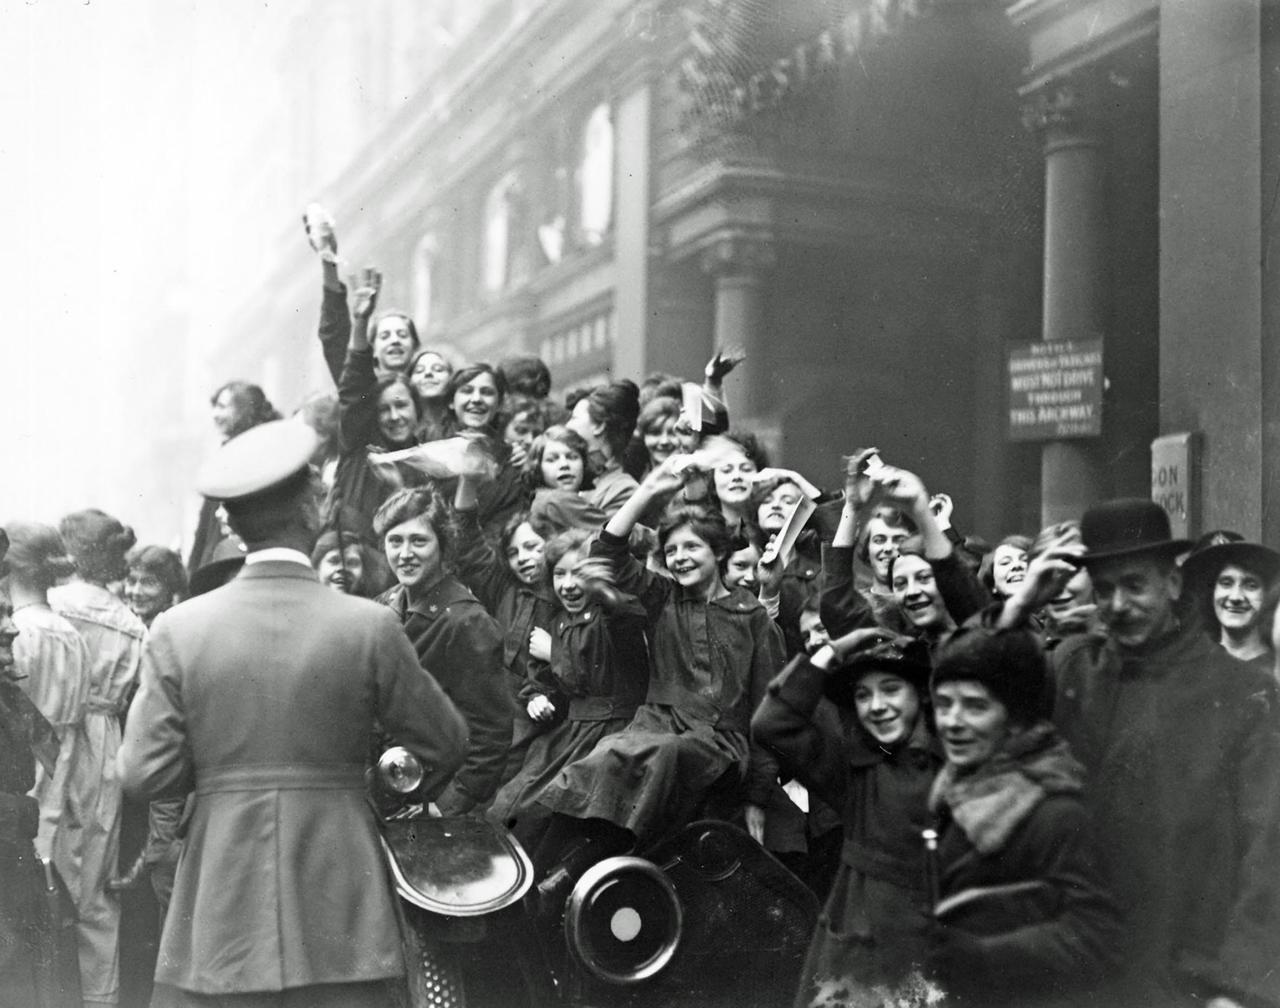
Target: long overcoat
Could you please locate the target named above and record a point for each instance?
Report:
(261, 697)
(1182, 744)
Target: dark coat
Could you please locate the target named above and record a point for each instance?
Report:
(1183, 745)
(599, 672)
(711, 660)
(261, 697)
(1063, 952)
(797, 582)
(356, 493)
(20, 881)
(460, 644)
(516, 606)
(334, 329)
(872, 930)
(710, 663)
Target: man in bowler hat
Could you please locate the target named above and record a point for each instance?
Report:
(1182, 744)
(260, 697)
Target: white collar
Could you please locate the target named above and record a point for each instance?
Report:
(285, 553)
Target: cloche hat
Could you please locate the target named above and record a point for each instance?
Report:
(905, 657)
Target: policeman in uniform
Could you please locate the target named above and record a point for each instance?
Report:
(260, 698)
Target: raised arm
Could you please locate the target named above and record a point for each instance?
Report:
(613, 544)
(335, 322)
(961, 591)
(478, 564)
(357, 405)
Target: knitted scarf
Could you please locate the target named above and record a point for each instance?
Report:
(990, 802)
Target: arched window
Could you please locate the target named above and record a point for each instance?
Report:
(497, 233)
(422, 271)
(595, 176)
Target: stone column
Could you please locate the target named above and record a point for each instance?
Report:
(739, 265)
(1075, 301)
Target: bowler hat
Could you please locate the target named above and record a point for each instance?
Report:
(904, 657)
(1128, 526)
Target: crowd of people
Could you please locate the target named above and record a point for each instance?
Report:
(1044, 771)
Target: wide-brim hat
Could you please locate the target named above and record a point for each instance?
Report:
(904, 657)
(1202, 566)
(223, 564)
(1128, 526)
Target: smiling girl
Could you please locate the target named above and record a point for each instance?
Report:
(712, 651)
(874, 763)
(457, 641)
(1005, 566)
(1234, 582)
(556, 469)
(373, 412)
(511, 583)
(429, 372)
(596, 677)
(475, 395)
(734, 480)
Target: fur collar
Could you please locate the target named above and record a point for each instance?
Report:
(992, 801)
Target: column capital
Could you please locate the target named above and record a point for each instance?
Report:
(1060, 111)
(739, 255)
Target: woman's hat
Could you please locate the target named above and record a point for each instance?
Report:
(223, 564)
(1009, 663)
(904, 657)
(1215, 550)
(1128, 526)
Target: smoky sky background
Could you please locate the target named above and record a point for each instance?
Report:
(129, 132)
(116, 119)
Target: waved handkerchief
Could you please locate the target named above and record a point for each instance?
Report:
(444, 459)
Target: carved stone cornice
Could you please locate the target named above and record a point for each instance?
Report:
(739, 255)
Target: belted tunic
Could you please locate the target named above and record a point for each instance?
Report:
(260, 697)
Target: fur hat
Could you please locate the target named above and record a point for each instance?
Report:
(1010, 663)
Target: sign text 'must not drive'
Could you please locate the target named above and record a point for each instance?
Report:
(1055, 390)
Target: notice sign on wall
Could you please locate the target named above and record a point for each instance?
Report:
(1175, 479)
(1055, 390)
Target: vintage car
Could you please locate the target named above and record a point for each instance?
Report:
(705, 917)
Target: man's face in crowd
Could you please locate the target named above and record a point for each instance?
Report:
(1135, 597)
